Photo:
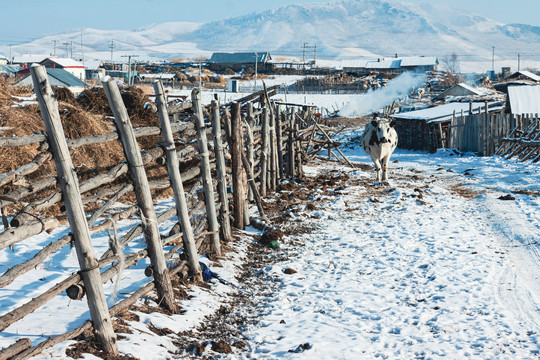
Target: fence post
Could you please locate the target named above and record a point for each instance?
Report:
(221, 173)
(292, 154)
(279, 138)
(67, 179)
(264, 151)
(206, 174)
(237, 175)
(149, 222)
(272, 149)
(173, 167)
(250, 123)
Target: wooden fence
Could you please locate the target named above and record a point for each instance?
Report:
(485, 132)
(266, 143)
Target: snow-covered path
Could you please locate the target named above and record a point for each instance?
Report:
(433, 265)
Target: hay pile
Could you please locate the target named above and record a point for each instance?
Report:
(87, 115)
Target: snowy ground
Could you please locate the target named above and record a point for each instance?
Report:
(431, 265)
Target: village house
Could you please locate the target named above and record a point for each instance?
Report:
(391, 65)
(74, 67)
(459, 90)
(524, 76)
(3, 60)
(58, 77)
(239, 61)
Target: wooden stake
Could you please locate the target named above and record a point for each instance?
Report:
(250, 123)
(279, 138)
(208, 187)
(144, 197)
(67, 179)
(221, 173)
(264, 151)
(176, 184)
(237, 170)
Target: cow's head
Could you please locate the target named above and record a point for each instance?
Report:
(381, 129)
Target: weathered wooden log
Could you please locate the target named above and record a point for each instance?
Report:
(176, 184)
(279, 139)
(69, 184)
(221, 173)
(264, 156)
(22, 140)
(208, 187)
(14, 349)
(143, 194)
(15, 235)
(18, 194)
(90, 140)
(236, 152)
(254, 188)
(26, 169)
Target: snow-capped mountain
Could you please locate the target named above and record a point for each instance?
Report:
(341, 29)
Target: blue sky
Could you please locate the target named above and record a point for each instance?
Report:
(23, 21)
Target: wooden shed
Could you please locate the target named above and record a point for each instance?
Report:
(428, 129)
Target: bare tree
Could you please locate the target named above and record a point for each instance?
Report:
(451, 63)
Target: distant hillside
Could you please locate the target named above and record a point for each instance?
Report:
(341, 29)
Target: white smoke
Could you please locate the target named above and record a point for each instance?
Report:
(375, 100)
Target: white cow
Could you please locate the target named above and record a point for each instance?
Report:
(379, 141)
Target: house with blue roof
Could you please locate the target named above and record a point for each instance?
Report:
(239, 61)
(58, 77)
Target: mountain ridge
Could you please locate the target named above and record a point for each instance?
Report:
(340, 29)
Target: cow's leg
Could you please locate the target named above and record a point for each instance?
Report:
(378, 168)
(385, 162)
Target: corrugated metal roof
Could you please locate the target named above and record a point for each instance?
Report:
(66, 77)
(419, 61)
(239, 58)
(353, 63)
(524, 99)
(384, 64)
(444, 112)
(64, 62)
(29, 58)
(10, 69)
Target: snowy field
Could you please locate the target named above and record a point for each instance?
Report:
(432, 265)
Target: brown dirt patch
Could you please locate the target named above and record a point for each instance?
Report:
(464, 191)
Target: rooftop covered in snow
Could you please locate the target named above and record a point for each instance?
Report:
(524, 99)
(445, 112)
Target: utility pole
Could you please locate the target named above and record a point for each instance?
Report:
(82, 50)
(519, 60)
(493, 60)
(200, 75)
(256, 61)
(130, 82)
(10, 58)
(111, 46)
(54, 48)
